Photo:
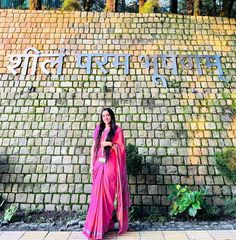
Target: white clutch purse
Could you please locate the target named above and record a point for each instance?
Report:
(102, 160)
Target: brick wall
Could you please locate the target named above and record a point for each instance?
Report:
(47, 121)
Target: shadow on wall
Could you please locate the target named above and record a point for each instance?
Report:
(4, 168)
(3, 165)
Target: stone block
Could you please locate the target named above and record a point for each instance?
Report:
(187, 180)
(199, 180)
(165, 201)
(171, 170)
(167, 180)
(152, 189)
(140, 179)
(142, 189)
(209, 180)
(62, 188)
(137, 200)
(133, 189)
(147, 200)
(133, 179)
(65, 198)
(82, 198)
(218, 180)
(217, 190)
(87, 188)
(39, 198)
(226, 190)
(182, 170)
(52, 178)
(150, 179)
(233, 188)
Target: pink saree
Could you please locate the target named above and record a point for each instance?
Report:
(109, 180)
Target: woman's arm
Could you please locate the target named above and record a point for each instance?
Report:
(91, 159)
(106, 143)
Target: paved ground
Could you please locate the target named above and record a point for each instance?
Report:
(142, 235)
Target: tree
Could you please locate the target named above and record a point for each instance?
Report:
(35, 5)
(227, 7)
(132, 6)
(123, 5)
(141, 4)
(111, 5)
(174, 6)
(98, 5)
(71, 5)
(87, 4)
(197, 7)
(214, 8)
(209, 8)
(151, 6)
(190, 7)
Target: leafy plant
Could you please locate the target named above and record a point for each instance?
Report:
(162, 219)
(150, 6)
(154, 216)
(82, 215)
(230, 108)
(71, 5)
(226, 162)
(229, 208)
(210, 211)
(185, 200)
(134, 214)
(10, 212)
(134, 160)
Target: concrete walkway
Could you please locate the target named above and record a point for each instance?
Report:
(146, 235)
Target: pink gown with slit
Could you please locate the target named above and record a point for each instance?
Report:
(109, 179)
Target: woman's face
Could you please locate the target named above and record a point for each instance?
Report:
(106, 117)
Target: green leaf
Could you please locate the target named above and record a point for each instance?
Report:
(182, 208)
(178, 187)
(187, 196)
(175, 206)
(197, 194)
(172, 213)
(192, 212)
(196, 205)
(10, 212)
(183, 190)
(192, 196)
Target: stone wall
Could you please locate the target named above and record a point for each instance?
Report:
(47, 121)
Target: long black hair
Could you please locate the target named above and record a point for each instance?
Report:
(110, 135)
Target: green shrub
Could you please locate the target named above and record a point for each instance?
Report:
(134, 214)
(10, 212)
(71, 5)
(229, 208)
(134, 160)
(150, 6)
(226, 162)
(153, 216)
(210, 211)
(185, 200)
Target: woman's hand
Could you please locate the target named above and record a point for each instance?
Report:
(106, 143)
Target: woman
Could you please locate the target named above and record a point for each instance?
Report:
(109, 178)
